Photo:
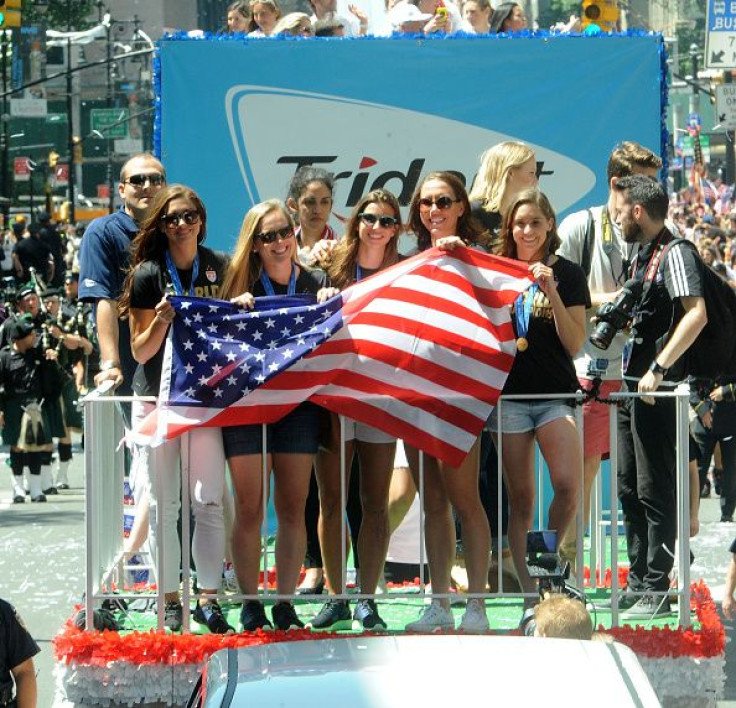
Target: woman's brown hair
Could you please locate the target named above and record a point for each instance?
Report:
(468, 228)
(342, 267)
(150, 243)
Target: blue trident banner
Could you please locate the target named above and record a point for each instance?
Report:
(237, 117)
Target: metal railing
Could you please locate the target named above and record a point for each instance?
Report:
(104, 475)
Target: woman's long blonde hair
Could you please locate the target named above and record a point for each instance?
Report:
(491, 183)
(342, 267)
(245, 266)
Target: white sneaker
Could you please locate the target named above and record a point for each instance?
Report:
(475, 620)
(434, 619)
(229, 579)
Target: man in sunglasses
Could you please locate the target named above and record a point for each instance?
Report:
(103, 261)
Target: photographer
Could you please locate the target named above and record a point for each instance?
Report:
(672, 310)
(592, 239)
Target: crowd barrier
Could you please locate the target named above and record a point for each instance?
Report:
(104, 476)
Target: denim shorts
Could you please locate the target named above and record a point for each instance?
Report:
(523, 416)
(296, 433)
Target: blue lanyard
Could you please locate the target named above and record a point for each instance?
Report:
(358, 273)
(523, 306)
(266, 282)
(174, 274)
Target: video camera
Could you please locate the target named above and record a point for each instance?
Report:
(543, 563)
(612, 317)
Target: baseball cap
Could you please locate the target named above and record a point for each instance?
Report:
(405, 12)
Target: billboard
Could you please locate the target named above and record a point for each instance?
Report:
(236, 116)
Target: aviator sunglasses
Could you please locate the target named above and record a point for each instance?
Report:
(155, 179)
(384, 221)
(270, 236)
(444, 202)
(188, 217)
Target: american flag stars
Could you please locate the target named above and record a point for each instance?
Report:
(220, 353)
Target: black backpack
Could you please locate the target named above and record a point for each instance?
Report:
(713, 353)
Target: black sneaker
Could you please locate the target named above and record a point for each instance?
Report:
(334, 615)
(173, 615)
(253, 617)
(19, 499)
(366, 617)
(284, 617)
(649, 607)
(211, 615)
(62, 486)
(50, 490)
(39, 498)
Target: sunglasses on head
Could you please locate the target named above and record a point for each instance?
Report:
(155, 180)
(270, 236)
(188, 217)
(444, 202)
(384, 221)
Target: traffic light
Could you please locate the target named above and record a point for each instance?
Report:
(604, 13)
(10, 13)
(53, 158)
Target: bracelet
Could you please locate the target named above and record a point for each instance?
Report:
(109, 364)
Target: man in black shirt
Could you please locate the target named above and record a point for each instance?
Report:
(670, 310)
(32, 252)
(51, 238)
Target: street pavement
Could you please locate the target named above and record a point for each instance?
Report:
(42, 565)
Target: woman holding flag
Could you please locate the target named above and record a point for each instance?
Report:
(549, 319)
(167, 258)
(370, 244)
(439, 215)
(265, 263)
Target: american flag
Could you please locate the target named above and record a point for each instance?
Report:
(420, 350)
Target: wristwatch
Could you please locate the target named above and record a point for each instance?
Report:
(656, 368)
(109, 364)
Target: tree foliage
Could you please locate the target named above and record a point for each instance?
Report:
(557, 11)
(60, 14)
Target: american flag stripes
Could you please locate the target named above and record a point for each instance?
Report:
(420, 350)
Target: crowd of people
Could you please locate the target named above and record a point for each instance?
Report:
(132, 261)
(264, 18)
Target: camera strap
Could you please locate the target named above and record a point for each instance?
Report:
(656, 258)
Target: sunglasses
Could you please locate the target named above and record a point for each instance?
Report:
(270, 236)
(384, 221)
(443, 203)
(188, 217)
(155, 180)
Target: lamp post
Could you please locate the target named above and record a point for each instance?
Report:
(70, 112)
(695, 95)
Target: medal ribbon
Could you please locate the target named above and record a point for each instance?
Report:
(523, 308)
(174, 275)
(268, 287)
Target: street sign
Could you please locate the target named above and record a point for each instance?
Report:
(21, 169)
(129, 146)
(61, 175)
(688, 147)
(726, 106)
(720, 35)
(111, 122)
(28, 107)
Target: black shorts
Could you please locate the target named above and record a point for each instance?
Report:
(296, 433)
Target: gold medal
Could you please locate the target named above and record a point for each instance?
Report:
(522, 344)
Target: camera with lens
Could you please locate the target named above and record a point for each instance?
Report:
(612, 317)
(543, 563)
